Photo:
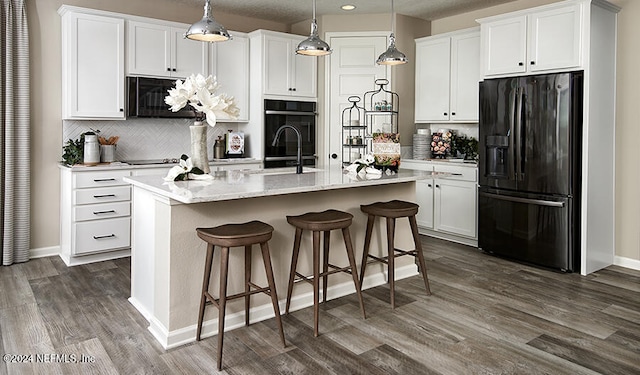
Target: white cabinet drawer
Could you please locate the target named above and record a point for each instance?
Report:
(416, 165)
(99, 178)
(102, 211)
(101, 235)
(457, 173)
(102, 195)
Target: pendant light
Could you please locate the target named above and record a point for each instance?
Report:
(207, 29)
(392, 56)
(313, 45)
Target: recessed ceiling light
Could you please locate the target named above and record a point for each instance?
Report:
(348, 7)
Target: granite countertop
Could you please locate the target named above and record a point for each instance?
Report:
(241, 184)
(460, 162)
(125, 165)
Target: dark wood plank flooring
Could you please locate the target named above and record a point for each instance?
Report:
(486, 316)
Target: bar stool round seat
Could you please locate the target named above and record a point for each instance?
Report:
(393, 210)
(236, 235)
(324, 222)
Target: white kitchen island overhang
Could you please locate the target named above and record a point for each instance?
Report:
(167, 260)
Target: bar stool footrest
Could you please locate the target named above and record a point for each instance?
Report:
(214, 301)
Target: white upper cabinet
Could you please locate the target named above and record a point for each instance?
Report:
(433, 68)
(92, 66)
(285, 72)
(162, 51)
(554, 39)
(504, 46)
(533, 41)
(447, 75)
(229, 62)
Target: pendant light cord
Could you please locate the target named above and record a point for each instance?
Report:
(314, 10)
(393, 20)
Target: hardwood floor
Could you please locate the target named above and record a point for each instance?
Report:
(486, 316)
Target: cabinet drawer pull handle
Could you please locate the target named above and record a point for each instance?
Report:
(456, 174)
(105, 236)
(453, 113)
(168, 69)
(429, 185)
(103, 179)
(533, 63)
(438, 186)
(104, 196)
(445, 113)
(520, 63)
(104, 212)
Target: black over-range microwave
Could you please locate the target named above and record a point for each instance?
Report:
(145, 98)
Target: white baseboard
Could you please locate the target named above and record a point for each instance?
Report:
(627, 262)
(44, 252)
(172, 339)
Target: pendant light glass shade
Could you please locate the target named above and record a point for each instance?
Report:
(313, 45)
(207, 29)
(392, 56)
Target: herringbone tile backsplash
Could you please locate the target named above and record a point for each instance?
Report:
(142, 139)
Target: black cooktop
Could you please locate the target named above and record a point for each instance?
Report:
(153, 161)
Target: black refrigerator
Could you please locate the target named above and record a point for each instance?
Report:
(529, 169)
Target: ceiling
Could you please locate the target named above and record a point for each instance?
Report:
(292, 11)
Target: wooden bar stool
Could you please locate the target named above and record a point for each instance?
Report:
(391, 211)
(235, 235)
(317, 222)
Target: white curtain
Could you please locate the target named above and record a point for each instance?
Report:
(14, 132)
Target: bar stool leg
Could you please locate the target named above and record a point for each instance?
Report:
(325, 263)
(247, 280)
(367, 242)
(391, 228)
(316, 280)
(266, 258)
(222, 303)
(205, 287)
(294, 264)
(418, 244)
(354, 270)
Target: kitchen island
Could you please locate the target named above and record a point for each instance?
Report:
(168, 257)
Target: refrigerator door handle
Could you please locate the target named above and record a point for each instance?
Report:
(538, 202)
(511, 168)
(518, 126)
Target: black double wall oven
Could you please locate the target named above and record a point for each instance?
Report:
(302, 116)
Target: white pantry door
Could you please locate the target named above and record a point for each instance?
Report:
(352, 70)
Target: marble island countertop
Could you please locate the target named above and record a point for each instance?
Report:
(241, 184)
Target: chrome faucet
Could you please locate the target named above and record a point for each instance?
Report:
(299, 155)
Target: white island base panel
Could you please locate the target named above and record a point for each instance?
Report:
(168, 257)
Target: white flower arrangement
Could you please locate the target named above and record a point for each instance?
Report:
(186, 171)
(363, 165)
(200, 93)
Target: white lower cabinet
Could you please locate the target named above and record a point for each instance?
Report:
(95, 209)
(448, 203)
(455, 207)
(424, 198)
